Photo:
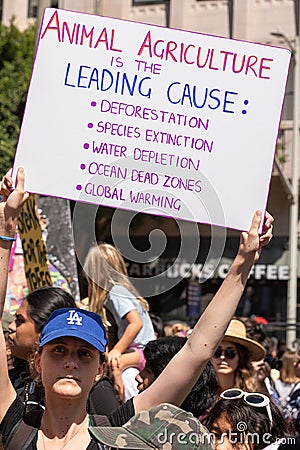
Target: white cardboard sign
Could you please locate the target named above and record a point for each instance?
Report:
(152, 119)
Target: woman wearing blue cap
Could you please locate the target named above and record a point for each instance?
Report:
(72, 342)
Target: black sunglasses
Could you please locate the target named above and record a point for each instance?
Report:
(229, 353)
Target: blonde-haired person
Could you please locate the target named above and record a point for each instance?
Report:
(233, 358)
(109, 289)
(287, 376)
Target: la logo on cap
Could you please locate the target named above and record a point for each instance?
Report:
(74, 318)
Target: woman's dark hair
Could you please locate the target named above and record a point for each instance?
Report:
(158, 325)
(254, 330)
(258, 425)
(244, 373)
(159, 353)
(43, 301)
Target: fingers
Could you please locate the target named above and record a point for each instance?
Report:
(268, 223)
(255, 224)
(6, 184)
(19, 193)
(115, 363)
(256, 220)
(114, 360)
(20, 179)
(267, 230)
(268, 219)
(20, 182)
(267, 233)
(8, 178)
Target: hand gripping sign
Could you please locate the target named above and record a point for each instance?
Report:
(145, 118)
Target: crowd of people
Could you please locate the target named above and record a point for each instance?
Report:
(63, 363)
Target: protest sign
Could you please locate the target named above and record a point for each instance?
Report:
(36, 264)
(152, 119)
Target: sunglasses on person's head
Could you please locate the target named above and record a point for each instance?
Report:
(229, 353)
(255, 399)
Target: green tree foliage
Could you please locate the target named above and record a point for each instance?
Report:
(16, 59)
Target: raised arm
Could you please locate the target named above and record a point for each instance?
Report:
(10, 207)
(181, 373)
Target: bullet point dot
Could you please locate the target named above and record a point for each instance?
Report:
(82, 166)
(78, 187)
(90, 125)
(244, 111)
(86, 146)
(93, 104)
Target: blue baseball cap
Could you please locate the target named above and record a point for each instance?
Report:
(75, 322)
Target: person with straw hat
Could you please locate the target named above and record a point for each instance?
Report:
(232, 358)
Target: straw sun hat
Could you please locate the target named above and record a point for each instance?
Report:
(236, 332)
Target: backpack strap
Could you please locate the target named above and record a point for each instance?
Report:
(24, 431)
(294, 388)
(98, 420)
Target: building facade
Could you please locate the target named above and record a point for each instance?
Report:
(178, 292)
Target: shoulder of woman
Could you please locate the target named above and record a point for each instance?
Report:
(118, 289)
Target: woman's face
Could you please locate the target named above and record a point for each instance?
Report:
(68, 367)
(224, 365)
(23, 334)
(225, 438)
